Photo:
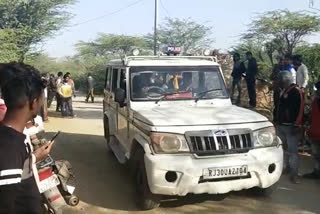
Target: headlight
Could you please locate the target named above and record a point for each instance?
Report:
(265, 137)
(169, 143)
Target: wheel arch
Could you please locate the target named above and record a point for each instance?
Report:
(141, 142)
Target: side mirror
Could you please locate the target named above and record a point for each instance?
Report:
(120, 96)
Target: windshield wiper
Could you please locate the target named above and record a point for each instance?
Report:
(166, 95)
(204, 93)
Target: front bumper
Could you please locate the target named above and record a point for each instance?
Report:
(189, 170)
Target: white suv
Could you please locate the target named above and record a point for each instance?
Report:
(172, 120)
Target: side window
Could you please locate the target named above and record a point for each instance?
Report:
(107, 80)
(114, 79)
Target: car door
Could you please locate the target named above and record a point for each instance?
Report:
(112, 105)
(122, 119)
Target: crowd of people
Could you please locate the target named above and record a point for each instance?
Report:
(294, 125)
(61, 88)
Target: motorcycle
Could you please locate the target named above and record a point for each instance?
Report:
(55, 178)
(54, 185)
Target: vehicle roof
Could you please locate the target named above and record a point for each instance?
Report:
(165, 61)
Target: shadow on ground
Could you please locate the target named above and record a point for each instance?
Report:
(100, 179)
(81, 113)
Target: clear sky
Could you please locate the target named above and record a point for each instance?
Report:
(228, 18)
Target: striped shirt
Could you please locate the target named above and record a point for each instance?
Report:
(17, 184)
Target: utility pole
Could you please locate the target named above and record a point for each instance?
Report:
(155, 28)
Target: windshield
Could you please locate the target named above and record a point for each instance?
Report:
(176, 83)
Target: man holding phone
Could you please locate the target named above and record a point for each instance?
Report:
(23, 97)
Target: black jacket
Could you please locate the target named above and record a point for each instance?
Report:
(18, 190)
(238, 70)
(290, 107)
(252, 69)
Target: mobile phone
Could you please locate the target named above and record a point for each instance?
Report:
(55, 136)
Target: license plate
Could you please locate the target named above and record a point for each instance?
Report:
(48, 183)
(225, 172)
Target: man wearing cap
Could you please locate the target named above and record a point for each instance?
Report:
(289, 119)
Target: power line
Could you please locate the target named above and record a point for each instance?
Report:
(107, 14)
(164, 8)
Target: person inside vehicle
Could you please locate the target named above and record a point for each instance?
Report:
(186, 84)
(140, 85)
(159, 82)
(23, 95)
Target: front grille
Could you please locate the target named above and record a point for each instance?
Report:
(206, 143)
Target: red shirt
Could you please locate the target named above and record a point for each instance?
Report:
(315, 120)
(3, 109)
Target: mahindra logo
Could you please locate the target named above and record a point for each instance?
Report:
(221, 133)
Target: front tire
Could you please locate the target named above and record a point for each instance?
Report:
(146, 200)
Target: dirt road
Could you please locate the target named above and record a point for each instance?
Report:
(104, 186)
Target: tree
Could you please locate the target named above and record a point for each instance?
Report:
(33, 20)
(109, 45)
(311, 57)
(285, 28)
(9, 50)
(93, 56)
(185, 33)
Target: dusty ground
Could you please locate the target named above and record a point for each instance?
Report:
(104, 185)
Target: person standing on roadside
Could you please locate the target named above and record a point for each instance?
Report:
(65, 92)
(275, 85)
(23, 95)
(58, 84)
(71, 82)
(289, 122)
(314, 134)
(250, 75)
(288, 66)
(52, 89)
(44, 108)
(237, 72)
(90, 87)
(302, 72)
